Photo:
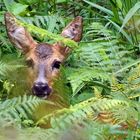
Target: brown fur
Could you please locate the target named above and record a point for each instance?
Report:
(41, 53)
(48, 58)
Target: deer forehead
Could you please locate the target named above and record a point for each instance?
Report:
(44, 53)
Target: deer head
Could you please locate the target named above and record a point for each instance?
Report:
(43, 59)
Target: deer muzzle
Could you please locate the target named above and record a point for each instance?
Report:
(40, 87)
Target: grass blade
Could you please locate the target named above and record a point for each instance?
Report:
(130, 14)
(105, 10)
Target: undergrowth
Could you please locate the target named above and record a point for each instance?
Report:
(98, 88)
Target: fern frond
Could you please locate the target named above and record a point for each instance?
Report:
(102, 53)
(49, 22)
(19, 107)
(101, 57)
(105, 55)
(130, 84)
(46, 34)
(81, 76)
(85, 131)
(133, 79)
(4, 42)
(81, 111)
(7, 67)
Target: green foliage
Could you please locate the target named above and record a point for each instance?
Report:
(17, 109)
(122, 12)
(15, 7)
(81, 77)
(130, 85)
(82, 111)
(52, 23)
(98, 88)
(82, 117)
(43, 34)
(5, 68)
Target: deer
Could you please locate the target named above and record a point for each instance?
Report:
(43, 59)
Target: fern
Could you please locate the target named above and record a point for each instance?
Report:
(99, 115)
(134, 82)
(129, 86)
(19, 108)
(95, 61)
(7, 67)
(87, 131)
(103, 50)
(81, 111)
(51, 22)
(43, 34)
(78, 78)
(95, 56)
(81, 117)
(4, 42)
(103, 65)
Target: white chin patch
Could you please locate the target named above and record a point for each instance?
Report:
(45, 97)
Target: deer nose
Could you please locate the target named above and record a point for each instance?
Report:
(41, 89)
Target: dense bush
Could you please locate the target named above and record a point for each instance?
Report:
(99, 84)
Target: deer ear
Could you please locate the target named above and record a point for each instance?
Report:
(18, 34)
(74, 29)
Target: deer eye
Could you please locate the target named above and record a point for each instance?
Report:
(76, 26)
(56, 64)
(29, 62)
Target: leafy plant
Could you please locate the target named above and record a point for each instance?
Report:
(98, 88)
(122, 12)
(18, 109)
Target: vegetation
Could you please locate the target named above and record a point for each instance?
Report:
(99, 83)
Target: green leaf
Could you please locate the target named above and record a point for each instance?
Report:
(18, 8)
(130, 14)
(14, 7)
(80, 77)
(8, 4)
(125, 34)
(128, 66)
(61, 1)
(28, 1)
(19, 107)
(43, 34)
(103, 9)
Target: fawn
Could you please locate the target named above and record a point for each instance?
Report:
(43, 59)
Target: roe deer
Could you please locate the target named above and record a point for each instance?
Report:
(43, 59)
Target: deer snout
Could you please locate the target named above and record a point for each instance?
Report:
(41, 89)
